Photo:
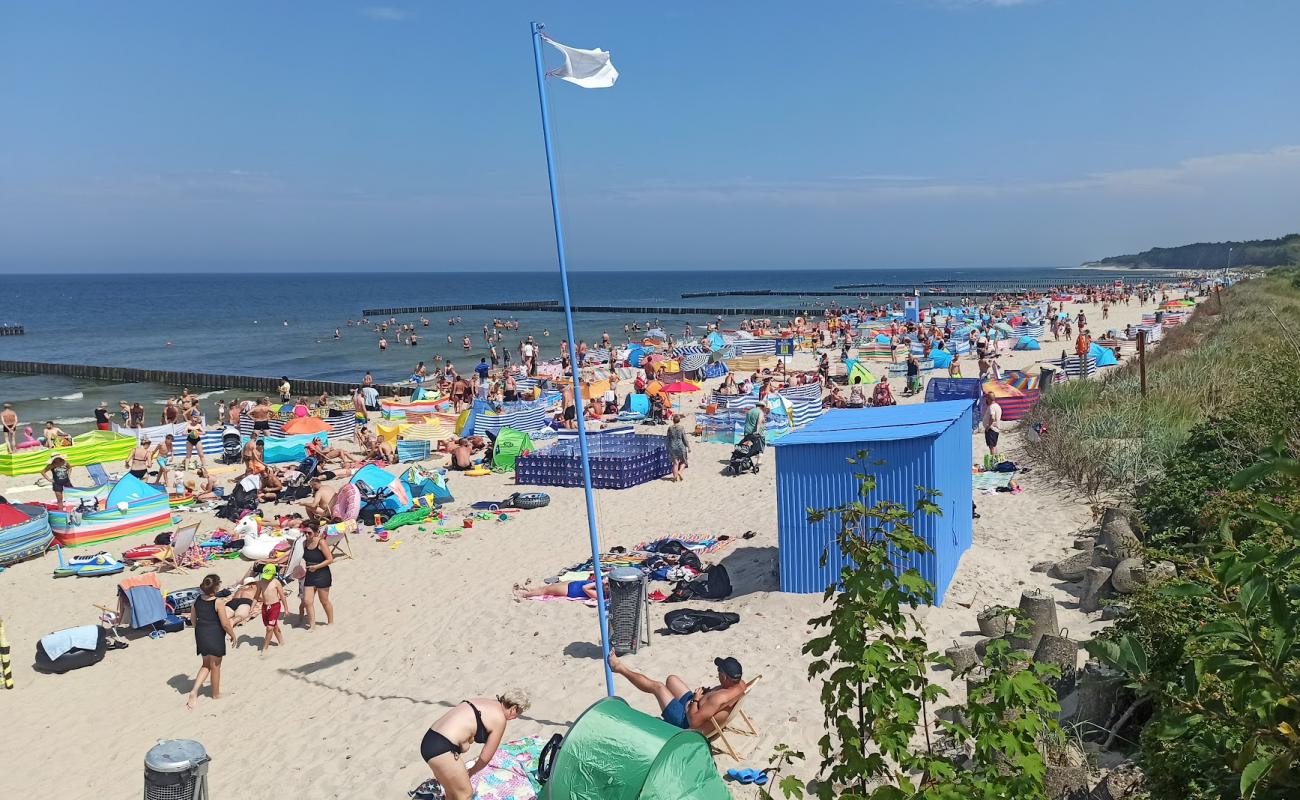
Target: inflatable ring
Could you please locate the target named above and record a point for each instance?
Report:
(478, 472)
(799, 321)
(529, 500)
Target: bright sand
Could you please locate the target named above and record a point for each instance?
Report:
(424, 621)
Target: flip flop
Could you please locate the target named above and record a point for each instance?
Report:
(745, 776)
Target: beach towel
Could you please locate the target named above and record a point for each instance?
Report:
(983, 481)
(56, 644)
(146, 606)
(512, 773)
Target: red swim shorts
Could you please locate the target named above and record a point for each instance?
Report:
(271, 614)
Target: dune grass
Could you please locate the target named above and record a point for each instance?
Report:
(1106, 439)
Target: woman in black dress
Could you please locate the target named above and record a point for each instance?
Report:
(211, 629)
(317, 556)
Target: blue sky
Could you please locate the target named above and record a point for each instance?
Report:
(405, 135)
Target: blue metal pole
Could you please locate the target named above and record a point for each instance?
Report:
(573, 360)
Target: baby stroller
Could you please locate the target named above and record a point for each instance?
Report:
(297, 486)
(742, 458)
(232, 445)
(374, 503)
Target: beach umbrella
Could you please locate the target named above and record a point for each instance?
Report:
(306, 425)
(680, 387)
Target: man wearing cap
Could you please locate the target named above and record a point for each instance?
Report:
(687, 709)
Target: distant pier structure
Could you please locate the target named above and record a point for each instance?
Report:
(11, 329)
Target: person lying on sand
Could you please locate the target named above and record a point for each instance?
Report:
(204, 488)
(686, 708)
(574, 590)
(242, 604)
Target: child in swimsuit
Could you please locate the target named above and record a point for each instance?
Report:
(271, 594)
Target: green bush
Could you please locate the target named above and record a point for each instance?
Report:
(1177, 503)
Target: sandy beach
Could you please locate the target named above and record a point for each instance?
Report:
(424, 621)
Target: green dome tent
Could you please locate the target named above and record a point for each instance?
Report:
(858, 372)
(509, 445)
(614, 752)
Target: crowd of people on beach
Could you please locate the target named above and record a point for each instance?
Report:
(508, 375)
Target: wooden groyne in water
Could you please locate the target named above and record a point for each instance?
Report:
(11, 330)
(529, 305)
(302, 387)
(769, 293)
(554, 307)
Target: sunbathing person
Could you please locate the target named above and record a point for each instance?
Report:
(242, 604)
(686, 708)
(375, 447)
(574, 590)
(204, 488)
(328, 454)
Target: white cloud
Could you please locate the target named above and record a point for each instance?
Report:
(386, 13)
(1190, 177)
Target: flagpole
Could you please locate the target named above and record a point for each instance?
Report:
(573, 361)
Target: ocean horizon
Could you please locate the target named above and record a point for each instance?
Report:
(276, 324)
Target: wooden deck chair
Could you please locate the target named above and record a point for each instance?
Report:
(346, 506)
(182, 541)
(339, 543)
(719, 730)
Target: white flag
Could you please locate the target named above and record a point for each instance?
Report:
(590, 69)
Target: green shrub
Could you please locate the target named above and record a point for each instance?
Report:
(1177, 503)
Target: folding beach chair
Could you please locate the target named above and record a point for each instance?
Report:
(99, 475)
(347, 504)
(182, 541)
(719, 730)
(140, 604)
(337, 538)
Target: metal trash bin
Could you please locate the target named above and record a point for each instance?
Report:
(627, 596)
(176, 769)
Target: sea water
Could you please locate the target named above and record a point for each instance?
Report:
(283, 324)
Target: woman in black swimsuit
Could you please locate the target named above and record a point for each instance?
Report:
(316, 555)
(211, 629)
(480, 720)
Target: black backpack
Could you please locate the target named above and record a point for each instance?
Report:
(687, 620)
(716, 583)
(712, 584)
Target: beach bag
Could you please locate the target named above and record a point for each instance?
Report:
(716, 584)
(712, 584)
(171, 624)
(687, 620)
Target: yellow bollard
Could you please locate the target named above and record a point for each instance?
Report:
(6, 668)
